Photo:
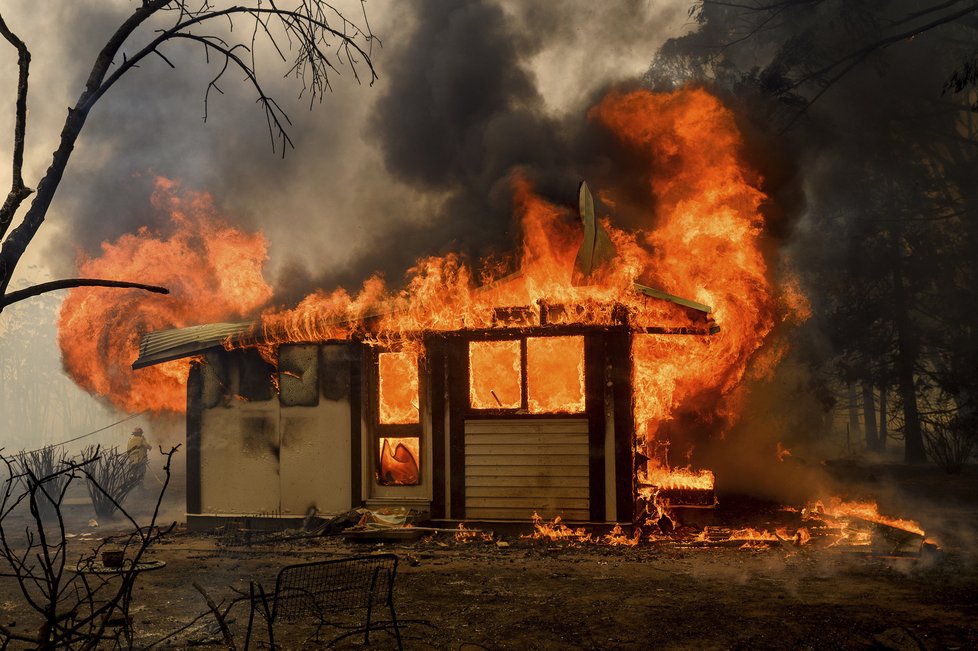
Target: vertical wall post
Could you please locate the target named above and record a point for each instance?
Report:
(594, 361)
(356, 420)
(435, 362)
(620, 355)
(458, 401)
(195, 417)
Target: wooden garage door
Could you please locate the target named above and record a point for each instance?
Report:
(514, 468)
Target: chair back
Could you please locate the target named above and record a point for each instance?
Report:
(338, 585)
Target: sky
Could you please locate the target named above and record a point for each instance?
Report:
(415, 164)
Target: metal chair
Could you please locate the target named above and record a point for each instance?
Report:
(327, 591)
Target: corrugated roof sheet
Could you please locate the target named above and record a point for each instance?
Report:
(166, 345)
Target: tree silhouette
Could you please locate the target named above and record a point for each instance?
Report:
(314, 39)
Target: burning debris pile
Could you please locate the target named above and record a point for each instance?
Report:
(850, 527)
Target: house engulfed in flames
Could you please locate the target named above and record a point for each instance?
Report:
(508, 400)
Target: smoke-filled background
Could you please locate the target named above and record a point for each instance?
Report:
(867, 160)
(416, 164)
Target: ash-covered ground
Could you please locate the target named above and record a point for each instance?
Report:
(519, 593)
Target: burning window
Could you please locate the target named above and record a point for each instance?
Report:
(555, 374)
(496, 374)
(398, 419)
(540, 375)
(398, 463)
(398, 388)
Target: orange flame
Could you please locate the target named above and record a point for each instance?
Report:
(707, 244)
(213, 272)
(868, 511)
(555, 374)
(495, 374)
(398, 389)
(556, 530)
(399, 461)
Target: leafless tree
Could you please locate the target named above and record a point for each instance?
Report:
(111, 477)
(313, 38)
(75, 598)
(868, 29)
(43, 463)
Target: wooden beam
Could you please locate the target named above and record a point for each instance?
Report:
(457, 353)
(356, 424)
(195, 418)
(620, 358)
(435, 361)
(594, 361)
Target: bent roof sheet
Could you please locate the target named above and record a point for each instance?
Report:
(167, 345)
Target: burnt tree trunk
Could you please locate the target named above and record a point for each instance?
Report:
(869, 415)
(884, 389)
(853, 401)
(905, 362)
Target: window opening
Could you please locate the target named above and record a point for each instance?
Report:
(537, 375)
(398, 416)
(495, 374)
(555, 375)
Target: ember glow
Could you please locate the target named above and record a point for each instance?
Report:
(213, 272)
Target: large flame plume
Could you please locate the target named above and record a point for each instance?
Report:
(702, 240)
(213, 272)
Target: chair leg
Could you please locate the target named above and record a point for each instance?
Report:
(366, 630)
(397, 631)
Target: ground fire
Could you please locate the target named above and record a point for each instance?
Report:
(692, 285)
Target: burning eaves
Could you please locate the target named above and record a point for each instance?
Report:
(594, 261)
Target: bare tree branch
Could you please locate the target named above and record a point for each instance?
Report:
(54, 285)
(308, 28)
(831, 72)
(16, 242)
(18, 191)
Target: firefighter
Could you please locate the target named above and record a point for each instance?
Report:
(136, 450)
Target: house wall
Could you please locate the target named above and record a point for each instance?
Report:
(313, 445)
(507, 466)
(517, 467)
(258, 453)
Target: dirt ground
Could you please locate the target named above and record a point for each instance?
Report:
(533, 594)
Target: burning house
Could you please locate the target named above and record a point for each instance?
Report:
(511, 399)
(559, 381)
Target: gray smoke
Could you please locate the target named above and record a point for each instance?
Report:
(418, 164)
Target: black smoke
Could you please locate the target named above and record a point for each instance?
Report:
(420, 164)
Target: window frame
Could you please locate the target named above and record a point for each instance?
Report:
(380, 431)
(523, 411)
